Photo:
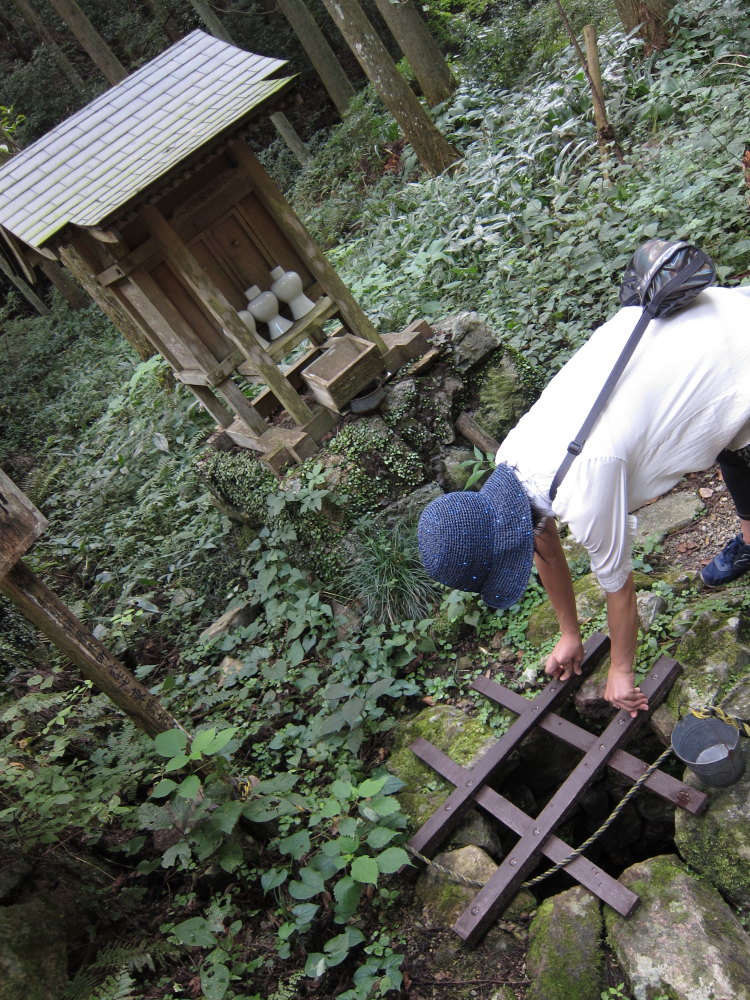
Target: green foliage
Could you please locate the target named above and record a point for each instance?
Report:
(327, 192)
(387, 579)
(532, 233)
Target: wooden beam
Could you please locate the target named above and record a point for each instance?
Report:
(20, 523)
(188, 268)
(45, 610)
(292, 227)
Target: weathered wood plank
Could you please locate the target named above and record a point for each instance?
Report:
(45, 610)
(616, 895)
(20, 523)
(661, 784)
(512, 871)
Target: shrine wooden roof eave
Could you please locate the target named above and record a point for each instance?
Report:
(93, 162)
(161, 185)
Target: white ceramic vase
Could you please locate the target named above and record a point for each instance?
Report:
(264, 308)
(247, 318)
(287, 287)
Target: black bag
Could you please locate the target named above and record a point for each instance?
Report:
(657, 276)
(662, 277)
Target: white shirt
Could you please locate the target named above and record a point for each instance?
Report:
(684, 396)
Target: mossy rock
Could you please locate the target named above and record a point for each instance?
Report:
(590, 602)
(463, 738)
(683, 941)
(507, 386)
(716, 844)
(713, 656)
(33, 953)
(564, 960)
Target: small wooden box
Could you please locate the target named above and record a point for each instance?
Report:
(343, 370)
(20, 524)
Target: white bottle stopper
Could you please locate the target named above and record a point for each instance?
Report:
(287, 287)
(252, 292)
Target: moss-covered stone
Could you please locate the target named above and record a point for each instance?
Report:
(33, 954)
(462, 737)
(507, 386)
(712, 656)
(683, 941)
(716, 844)
(564, 960)
(590, 602)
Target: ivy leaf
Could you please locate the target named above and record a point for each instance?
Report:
(170, 743)
(297, 845)
(365, 869)
(273, 878)
(380, 836)
(190, 787)
(310, 884)
(371, 786)
(195, 932)
(347, 894)
(315, 965)
(214, 981)
(165, 787)
(391, 860)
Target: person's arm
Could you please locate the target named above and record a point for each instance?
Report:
(622, 617)
(554, 573)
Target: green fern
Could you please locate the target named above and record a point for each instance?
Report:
(118, 986)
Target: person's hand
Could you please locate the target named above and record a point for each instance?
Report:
(622, 692)
(566, 658)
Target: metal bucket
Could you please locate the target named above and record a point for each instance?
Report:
(710, 748)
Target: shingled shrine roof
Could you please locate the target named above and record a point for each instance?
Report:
(102, 156)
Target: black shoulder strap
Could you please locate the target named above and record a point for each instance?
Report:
(650, 310)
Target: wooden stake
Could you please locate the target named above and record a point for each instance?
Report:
(45, 610)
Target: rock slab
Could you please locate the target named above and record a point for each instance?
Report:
(683, 942)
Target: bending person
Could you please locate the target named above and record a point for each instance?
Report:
(682, 401)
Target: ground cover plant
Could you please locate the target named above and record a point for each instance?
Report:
(262, 860)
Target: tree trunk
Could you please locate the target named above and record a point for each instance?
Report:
(650, 15)
(18, 45)
(435, 153)
(46, 37)
(421, 50)
(319, 52)
(90, 40)
(290, 136)
(45, 610)
(211, 20)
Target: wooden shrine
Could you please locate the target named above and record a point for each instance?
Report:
(536, 835)
(152, 197)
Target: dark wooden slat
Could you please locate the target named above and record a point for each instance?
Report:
(505, 881)
(445, 819)
(608, 889)
(664, 785)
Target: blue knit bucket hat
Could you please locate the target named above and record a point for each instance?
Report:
(482, 542)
